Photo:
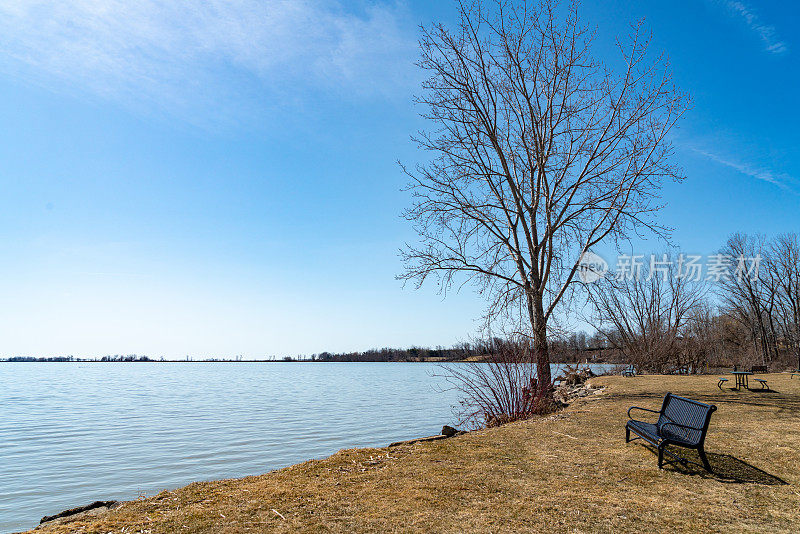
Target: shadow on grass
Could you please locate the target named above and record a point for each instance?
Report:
(731, 469)
(724, 467)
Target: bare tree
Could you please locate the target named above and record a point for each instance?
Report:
(647, 318)
(541, 151)
(783, 268)
(749, 297)
(702, 340)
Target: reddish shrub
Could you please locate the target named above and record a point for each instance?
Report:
(500, 390)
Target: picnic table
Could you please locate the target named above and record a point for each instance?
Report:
(741, 378)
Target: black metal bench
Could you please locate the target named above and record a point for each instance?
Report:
(759, 369)
(629, 371)
(681, 422)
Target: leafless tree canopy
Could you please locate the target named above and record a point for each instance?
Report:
(539, 152)
(767, 305)
(649, 319)
(783, 267)
(668, 324)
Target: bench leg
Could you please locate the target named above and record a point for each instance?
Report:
(703, 458)
(661, 456)
(719, 384)
(627, 434)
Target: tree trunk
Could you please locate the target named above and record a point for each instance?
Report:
(798, 355)
(540, 347)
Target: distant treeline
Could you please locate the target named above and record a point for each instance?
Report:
(458, 352)
(576, 348)
(117, 358)
(32, 359)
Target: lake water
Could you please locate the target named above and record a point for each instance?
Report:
(73, 433)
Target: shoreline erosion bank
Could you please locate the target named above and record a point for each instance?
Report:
(565, 394)
(129, 430)
(570, 470)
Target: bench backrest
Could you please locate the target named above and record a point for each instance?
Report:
(758, 369)
(686, 412)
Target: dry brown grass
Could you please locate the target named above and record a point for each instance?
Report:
(569, 472)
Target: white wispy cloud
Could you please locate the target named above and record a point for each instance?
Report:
(781, 179)
(766, 32)
(174, 53)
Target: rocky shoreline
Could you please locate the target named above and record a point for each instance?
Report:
(95, 508)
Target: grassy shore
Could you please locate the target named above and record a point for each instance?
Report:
(568, 472)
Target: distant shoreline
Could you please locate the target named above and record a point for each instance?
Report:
(287, 361)
(237, 361)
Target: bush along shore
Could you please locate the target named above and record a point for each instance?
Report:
(565, 472)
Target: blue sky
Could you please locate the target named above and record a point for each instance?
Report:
(220, 178)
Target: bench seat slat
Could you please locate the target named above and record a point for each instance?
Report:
(646, 430)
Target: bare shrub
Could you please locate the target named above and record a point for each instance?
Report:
(500, 390)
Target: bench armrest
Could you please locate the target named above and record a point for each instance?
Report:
(638, 408)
